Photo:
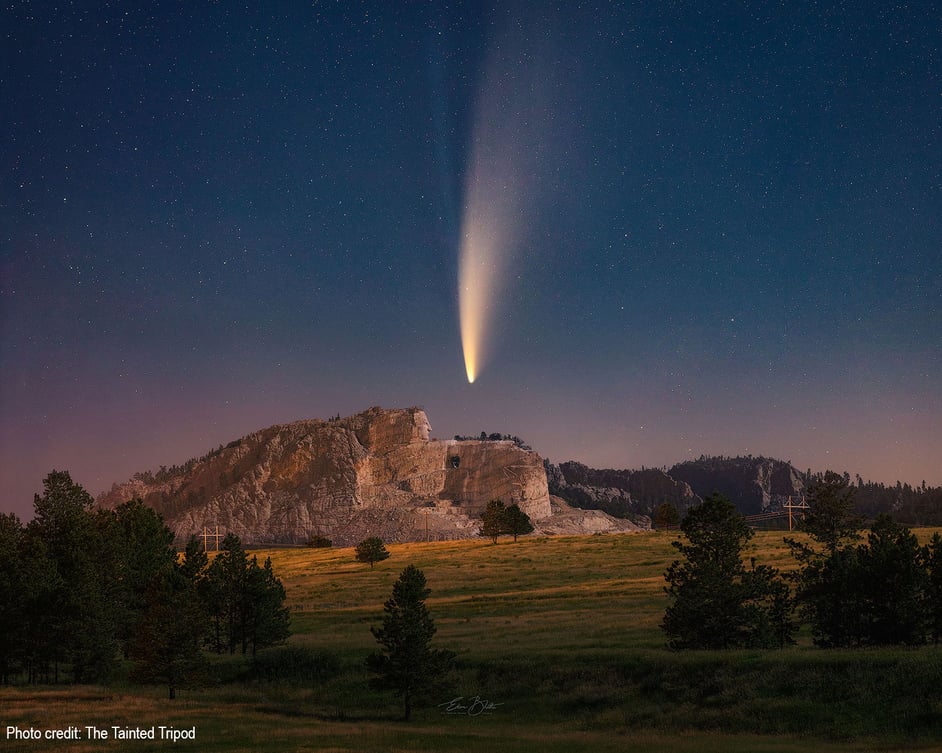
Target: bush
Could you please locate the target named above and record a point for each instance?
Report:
(319, 542)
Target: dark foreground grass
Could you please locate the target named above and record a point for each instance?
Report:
(255, 724)
(560, 634)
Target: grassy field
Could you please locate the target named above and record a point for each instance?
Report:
(561, 634)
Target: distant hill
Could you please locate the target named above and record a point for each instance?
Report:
(753, 484)
(634, 495)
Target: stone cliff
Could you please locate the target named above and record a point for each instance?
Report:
(376, 473)
(753, 484)
(627, 494)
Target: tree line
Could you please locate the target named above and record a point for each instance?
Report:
(851, 590)
(493, 437)
(81, 588)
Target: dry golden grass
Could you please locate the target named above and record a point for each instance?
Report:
(553, 619)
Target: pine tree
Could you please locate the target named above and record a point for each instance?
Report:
(166, 644)
(80, 616)
(407, 663)
(493, 520)
(829, 594)
(42, 645)
(894, 584)
(715, 601)
(245, 602)
(267, 620)
(13, 596)
(517, 522)
(830, 520)
(371, 550)
(195, 561)
(222, 594)
(933, 564)
(828, 582)
(138, 549)
(666, 515)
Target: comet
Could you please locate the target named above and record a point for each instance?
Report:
(506, 156)
(489, 240)
(480, 265)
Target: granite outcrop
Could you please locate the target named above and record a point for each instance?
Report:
(376, 473)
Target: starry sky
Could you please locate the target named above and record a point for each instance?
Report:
(218, 216)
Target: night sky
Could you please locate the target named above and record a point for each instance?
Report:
(718, 228)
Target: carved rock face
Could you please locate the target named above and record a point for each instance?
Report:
(495, 470)
(372, 474)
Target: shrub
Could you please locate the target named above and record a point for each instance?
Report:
(319, 542)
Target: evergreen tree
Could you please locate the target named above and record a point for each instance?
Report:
(894, 581)
(214, 599)
(715, 601)
(830, 595)
(666, 515)
(494, 521)
(767, 608)
(166, 644)
(80, 617)
(371, 550)
(830, 520)
(195, 561)
(14, 590)
(933, 564)
(316, 541)
(267, 620)
(407, 663)
(222, 593)
(138, 549)
(828, 582)
(517, 522)
(858, 595)
(41, 648)
(245, 602)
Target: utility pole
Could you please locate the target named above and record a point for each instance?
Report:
(207, 535)
(790, 506)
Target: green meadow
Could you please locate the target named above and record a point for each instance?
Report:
(558, 636)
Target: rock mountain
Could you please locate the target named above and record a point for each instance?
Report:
(622, 493)
(754, 484)
(376, 473)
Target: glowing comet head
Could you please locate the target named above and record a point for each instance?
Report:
(470, 364)
(472, 316)
(476, 289)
